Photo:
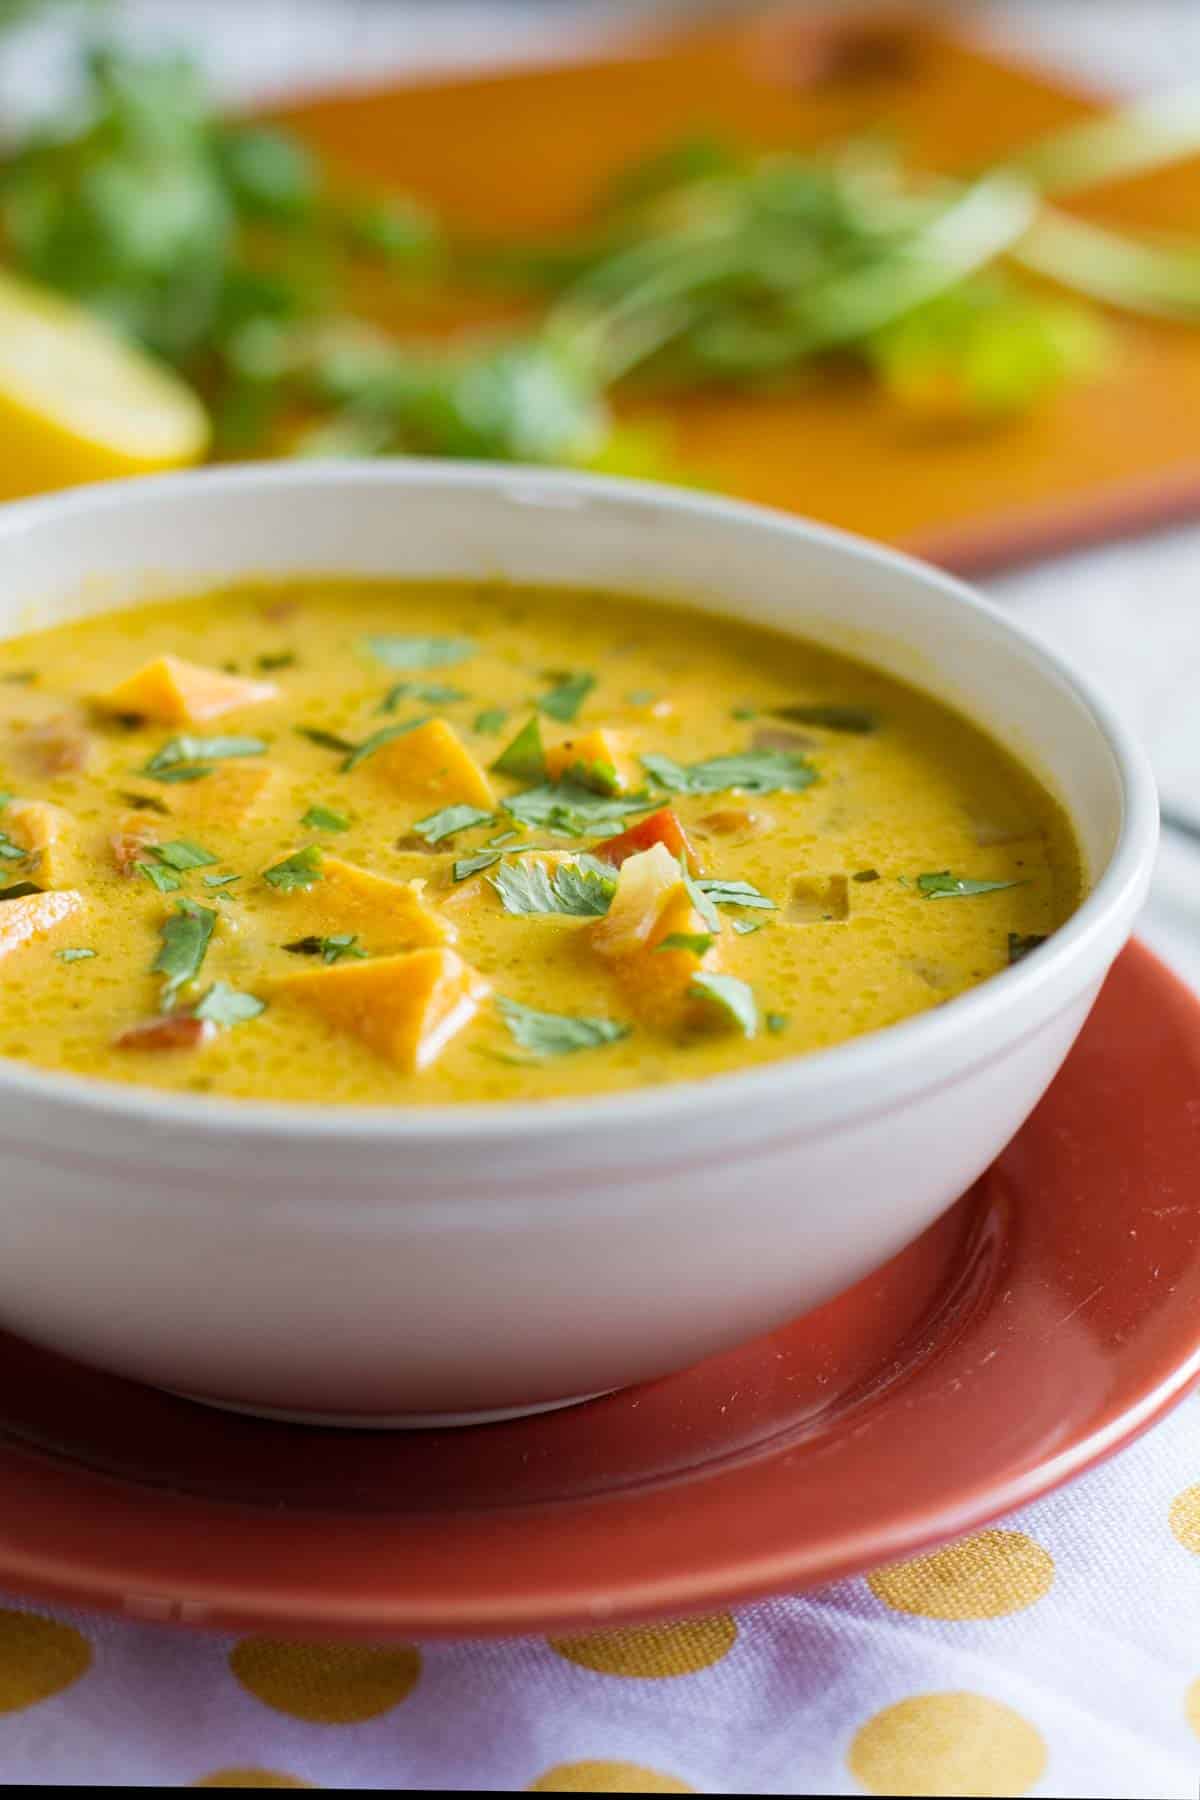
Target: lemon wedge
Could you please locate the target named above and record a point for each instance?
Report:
(78, 403)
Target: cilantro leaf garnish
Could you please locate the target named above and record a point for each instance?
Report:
(490, 721)
(160, 877)
(433, 693)
(300, 870)
(564, 700)
(188, 758)
(471, 865)
(378, 739)
(450, 819)
(223, 1005)
(736, 893)
(744, 927)
(557, 1034)
(581, 888)
(330, 949)
(10, 852)
(322, 818)
(327, 740)
(572, 811)
(219, 881)
(1019, 947)
(182, 854)
(857, 719)
(733, 998)
(20, 890)
(525, 757)
(70, 956)
(697, 942)
(945, 886)
(185, 939)
(747, 771)
(699, 898)
(419, 652)
(866, 875)
(275, 659)
(146, 803)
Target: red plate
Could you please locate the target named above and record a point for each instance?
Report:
(1051, 1315)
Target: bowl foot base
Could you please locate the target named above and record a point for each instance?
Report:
(386, 1421)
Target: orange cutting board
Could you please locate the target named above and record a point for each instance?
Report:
(523, 152)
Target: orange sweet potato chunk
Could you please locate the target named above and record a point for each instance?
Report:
(655, 906)
(388, 915)
(596, 759)
(431, 766)
(406, 1008)
(175, 692)
(227, 798)
(33, 915)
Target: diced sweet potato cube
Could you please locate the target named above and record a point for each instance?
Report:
(387, 915)
(645, 881)
(432, 767)
(227, 798)
(656, 976)
(33, 915)
(406, 1008)
(175, 692)
(814, 899)
(596, 759)
(45, 832)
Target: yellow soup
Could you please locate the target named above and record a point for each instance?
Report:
(383, 843)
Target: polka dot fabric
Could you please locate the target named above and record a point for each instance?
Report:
(1054, 1654)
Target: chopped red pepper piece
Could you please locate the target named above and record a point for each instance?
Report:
(661, 827)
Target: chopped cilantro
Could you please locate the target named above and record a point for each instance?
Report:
(866, 875)
(329, 949)
(581, 888)
(377, 740)
(698, 942)
(181, 854)
(748, 771)
(433, 693)
(736, 893)
(321, 818)
(1019, 947)
(525, 757)
(699, 898)
(572, 811)
(564, 700)
(10, 852)
(223, 1005)
(164, 879)
(275, 659)
(20, 890)
(219, 881)
(188, 758)
(945, 886)
(70, 956)
(557, 1034)
(185, 939)
(327, 740)
(471, 865)
(490, 721)
(419, 652)
(857, 719)
(450, 819)
(733, 998)
(744, 927)
(300, 870)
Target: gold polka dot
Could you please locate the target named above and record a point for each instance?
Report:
(947, 1744)
(1185, 1517)
(653, 1651)
(606, 1778)
(982, 1577)
(327, 1684)
(250, 1778)
(38, 1658)
(1191, 1707)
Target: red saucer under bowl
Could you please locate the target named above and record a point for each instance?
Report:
(1052, 1314)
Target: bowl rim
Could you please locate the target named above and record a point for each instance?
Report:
(865, 1061)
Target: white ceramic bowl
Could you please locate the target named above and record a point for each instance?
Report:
(374, 1265)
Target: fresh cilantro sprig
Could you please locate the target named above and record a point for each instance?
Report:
(745, 771)
(944, 886)
(546, 1034)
